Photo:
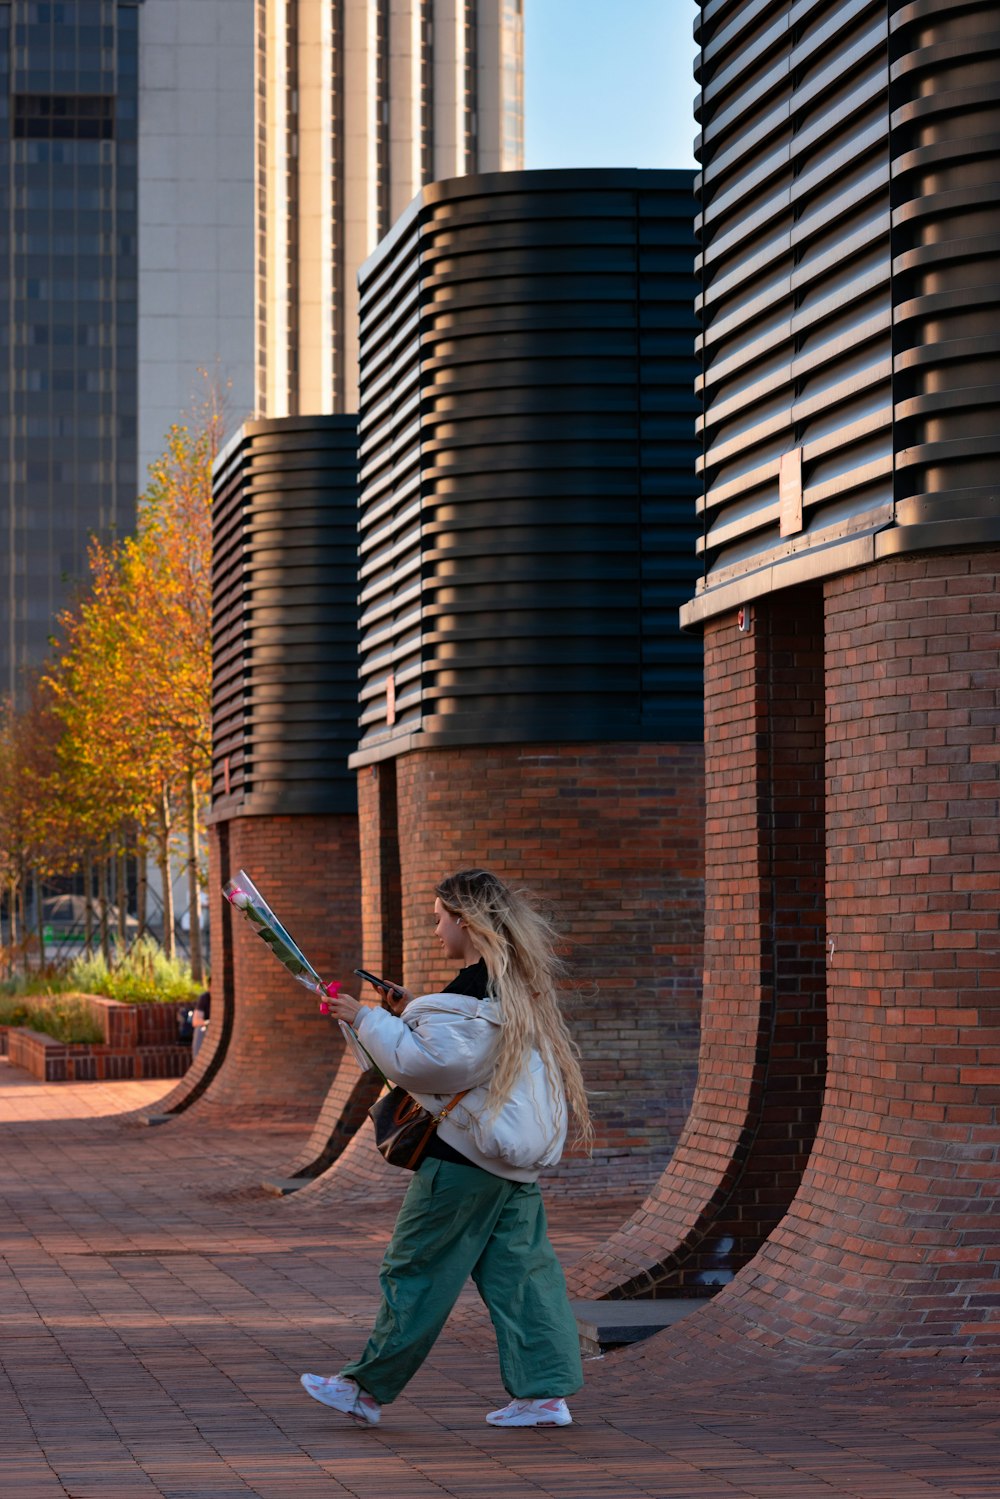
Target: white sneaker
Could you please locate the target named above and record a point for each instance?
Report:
(344, 1395)
(532, 1413)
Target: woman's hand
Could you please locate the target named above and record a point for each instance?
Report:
(395, 999)
(343, 1007)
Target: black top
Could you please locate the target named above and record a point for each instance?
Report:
(475, 982)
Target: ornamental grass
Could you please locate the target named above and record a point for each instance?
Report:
(141, 974)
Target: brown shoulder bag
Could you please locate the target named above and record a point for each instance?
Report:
(403, 1127)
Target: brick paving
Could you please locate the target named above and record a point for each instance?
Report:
(157, 1308)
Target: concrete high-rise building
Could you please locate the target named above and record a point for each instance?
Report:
(359, 104)
(196, 215)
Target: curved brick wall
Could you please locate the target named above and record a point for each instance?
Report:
(360, 1172)
(282, 1053)
(761, 1065)
(195, 1080)
(212, 1051)
(343, 1112)
(611, 836)
(891, 1241)
(351, 1092)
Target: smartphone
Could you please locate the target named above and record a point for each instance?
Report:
(383, 984)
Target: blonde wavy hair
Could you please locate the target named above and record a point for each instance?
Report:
(518, 945)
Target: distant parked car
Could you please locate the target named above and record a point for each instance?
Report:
(64, 918)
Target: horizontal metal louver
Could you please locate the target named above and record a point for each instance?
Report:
(526, 452)
(284, 630)
(834, 138)
(795, 301)
(945, 100)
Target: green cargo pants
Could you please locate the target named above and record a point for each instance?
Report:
(458, 1221)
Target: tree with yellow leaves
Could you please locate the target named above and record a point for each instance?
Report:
(170, 567)
(133, 683)
(114, 769)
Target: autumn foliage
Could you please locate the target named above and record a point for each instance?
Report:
(112, 751)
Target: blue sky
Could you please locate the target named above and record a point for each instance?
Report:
(609, 83)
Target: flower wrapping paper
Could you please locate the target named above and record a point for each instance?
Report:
(243, 895)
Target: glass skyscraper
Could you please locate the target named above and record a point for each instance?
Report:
(68, 281)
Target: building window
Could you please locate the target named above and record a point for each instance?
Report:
(292, 202)
(76, 117)
(512, 85)
(337, 269)
(471, 82)
(382, 86)
(426, 91)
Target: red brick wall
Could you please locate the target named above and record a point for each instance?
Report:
(351, 1092)
(610, 836)
(892, 1241)
(198, 1076)
(761, 1066)
(282, 1054)
(380, 889)
(344, 1110)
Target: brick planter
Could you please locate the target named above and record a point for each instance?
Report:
(140, 1041)
(53, 1061)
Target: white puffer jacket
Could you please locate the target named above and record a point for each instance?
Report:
(445, 1043)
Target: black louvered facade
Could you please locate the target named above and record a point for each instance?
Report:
(850, 292)
(527, 464)
(284, 641)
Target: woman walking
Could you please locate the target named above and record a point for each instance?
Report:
(473, 1206)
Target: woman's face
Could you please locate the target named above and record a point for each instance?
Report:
(450, 932)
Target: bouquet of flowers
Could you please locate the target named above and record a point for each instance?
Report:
(244, 897)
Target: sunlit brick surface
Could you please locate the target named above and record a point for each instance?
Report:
(158, 1309)
(282, 1053)
(351, 1092)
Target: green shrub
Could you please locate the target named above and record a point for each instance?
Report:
(65, 1019)
(142, 975)
(44, 981)
(13, 1011)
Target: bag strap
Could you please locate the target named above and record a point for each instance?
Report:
(449, 1106)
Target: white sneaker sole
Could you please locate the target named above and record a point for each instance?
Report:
(317, 1391)
(523, 1425)
(523, 1421)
